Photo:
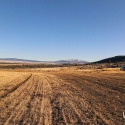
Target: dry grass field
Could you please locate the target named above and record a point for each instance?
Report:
(62, 97)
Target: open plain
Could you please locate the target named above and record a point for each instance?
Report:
(62, 97)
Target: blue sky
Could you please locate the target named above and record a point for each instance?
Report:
(62, 29)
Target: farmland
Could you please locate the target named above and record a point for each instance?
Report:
(62, 97)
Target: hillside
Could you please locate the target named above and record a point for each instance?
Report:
(115, 59)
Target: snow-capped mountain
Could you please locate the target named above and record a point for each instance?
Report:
(72, 61)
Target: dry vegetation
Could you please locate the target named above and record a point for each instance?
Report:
(62, 96)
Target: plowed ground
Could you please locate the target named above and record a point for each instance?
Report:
(63, 98)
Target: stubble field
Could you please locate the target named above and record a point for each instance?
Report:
(62, 97)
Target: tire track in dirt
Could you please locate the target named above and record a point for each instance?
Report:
(10, 102)
(17, 102)
(15, 87)
(86, 114)
(114, 83)
(66, 91)
(80, 107)
(104, 95)
(55, 102)
(32, 114)
(56, 113)
(91, 98)
(63, 109)
(69, 114)
(32, 106)
(96, 84)
(46, 110)
(11, 99)
(94, 93)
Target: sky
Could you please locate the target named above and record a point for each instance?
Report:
(49, 30)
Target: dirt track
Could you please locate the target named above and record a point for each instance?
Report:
(64, 99)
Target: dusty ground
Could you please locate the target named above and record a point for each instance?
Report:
(62, 97)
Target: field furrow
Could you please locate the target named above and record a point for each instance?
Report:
(16, 101)
(12, 86)
(107, 103)
(46, 110)
(62, 99)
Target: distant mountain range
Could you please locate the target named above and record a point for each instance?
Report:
(15, 60)
(114, 59)
(71, 61)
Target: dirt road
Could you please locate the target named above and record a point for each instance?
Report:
(63, 99)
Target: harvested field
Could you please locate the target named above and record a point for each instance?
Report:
(62, 97)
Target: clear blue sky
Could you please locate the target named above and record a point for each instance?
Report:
(62, 29)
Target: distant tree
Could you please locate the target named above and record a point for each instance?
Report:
(110, 63)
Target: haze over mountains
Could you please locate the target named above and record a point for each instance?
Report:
(15, 60)
(114, 59)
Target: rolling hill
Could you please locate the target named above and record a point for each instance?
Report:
(115, 59)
